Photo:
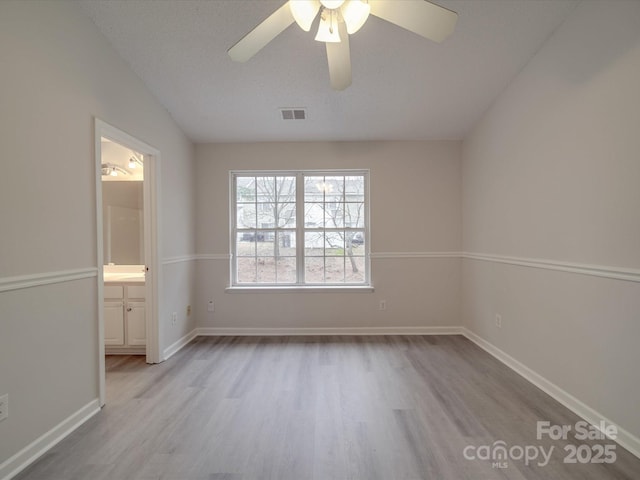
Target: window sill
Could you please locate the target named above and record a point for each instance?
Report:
(301, 289)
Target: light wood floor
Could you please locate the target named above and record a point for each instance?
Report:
(316, 408)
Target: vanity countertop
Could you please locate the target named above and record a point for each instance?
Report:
(117, 277)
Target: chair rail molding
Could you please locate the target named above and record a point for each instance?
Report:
(616, 273)
(46, 278)
(389, 255)
(213, 256)
(179, 259)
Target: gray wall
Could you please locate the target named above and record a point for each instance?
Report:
(415, 209)
(58, 72)
(551, 173)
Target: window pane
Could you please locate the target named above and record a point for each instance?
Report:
(354, 215)
(334, 244)
(354, 243)
(353, 188)
(266, 270)
(286, 269)
(246, 215)
(354, 269)
(314, 270)
(246, 270)
(265, 243)
(286, 215)
(286, 244)
(245, 189)
(313, 215)
(314, 188)
(314, 244)
(334, 270)
(286, 189)
(246, 244)
(334, 189)
(334, 214)
(266, 189)
(266, 215)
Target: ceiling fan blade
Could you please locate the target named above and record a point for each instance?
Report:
(418, 16)
(339, 58)
(257, 38)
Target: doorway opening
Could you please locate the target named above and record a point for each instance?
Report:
(122, 172)
(127, 247)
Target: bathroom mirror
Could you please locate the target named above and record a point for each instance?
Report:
(123, 226)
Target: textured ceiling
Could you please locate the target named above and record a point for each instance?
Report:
(404, 87)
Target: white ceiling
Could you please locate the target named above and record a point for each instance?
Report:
(404, 87)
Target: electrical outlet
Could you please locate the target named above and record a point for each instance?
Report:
(211, 307)
(4, 407)
(188, 310)
(174, 318)
(498, 320)
(382, 305)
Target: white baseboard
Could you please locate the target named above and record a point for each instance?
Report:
(332, 331)
(624, 438)
(25, 457)
(176, 346)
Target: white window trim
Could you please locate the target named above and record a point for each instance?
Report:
(332, 288)
(235, 287)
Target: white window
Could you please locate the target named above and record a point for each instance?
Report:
(299, 228)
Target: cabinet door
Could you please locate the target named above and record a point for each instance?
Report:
(136, 291)
(113, 292)
(136, 324)
(113, 323)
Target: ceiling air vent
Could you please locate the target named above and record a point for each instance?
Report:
(293, 113)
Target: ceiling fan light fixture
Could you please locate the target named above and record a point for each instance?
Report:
(355, 13)
(304, 12)
(332, 4)
(339, 19)
(328, 28)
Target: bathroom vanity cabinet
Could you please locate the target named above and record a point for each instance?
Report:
(124, 317)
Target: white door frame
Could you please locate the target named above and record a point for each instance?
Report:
(151, 189)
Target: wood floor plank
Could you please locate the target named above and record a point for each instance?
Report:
(317, 408)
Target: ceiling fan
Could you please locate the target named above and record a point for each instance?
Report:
(341, 18)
